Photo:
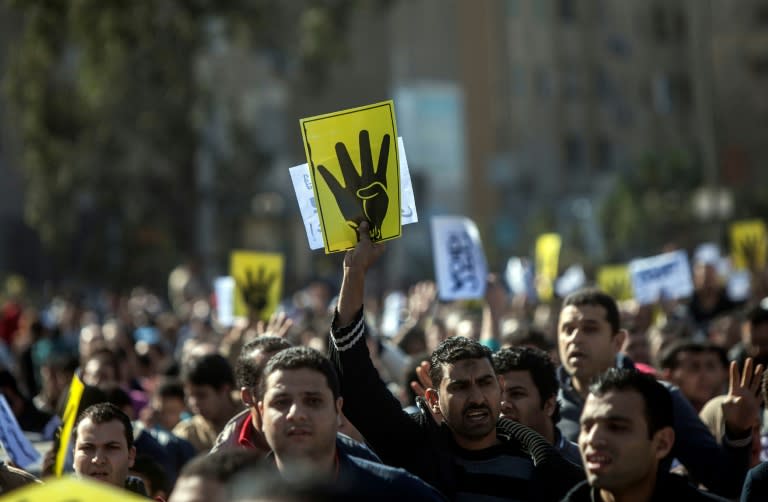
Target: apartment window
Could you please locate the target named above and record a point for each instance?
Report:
(603, 85)
(517, 80)
(759, 67)
(543, 83)
(604, 156)
(573, 152)
(761, 16)
(668, 24)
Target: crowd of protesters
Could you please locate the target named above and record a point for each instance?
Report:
(584, 398)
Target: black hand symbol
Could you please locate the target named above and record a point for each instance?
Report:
(255, 290)
(364, 195)
(750, 247)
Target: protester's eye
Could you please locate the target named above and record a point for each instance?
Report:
(314, 401)
(281, 403)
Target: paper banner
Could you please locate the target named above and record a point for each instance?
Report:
(547, 258)
(258, 282)
(305, 196)
(14, 442)
(460, 265)
(224, 287)
(615, 280)
(355, 173)
(572, 279)
(748, 241)
(76, 389)
(665, 276)
(519, 275)
(71, 489)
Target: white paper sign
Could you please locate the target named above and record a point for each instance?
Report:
(739, 285)
(460, 265)
(520, 277)
(225, 299)
(15, 443)
(571, 280)
(302, 185)
(665, 276)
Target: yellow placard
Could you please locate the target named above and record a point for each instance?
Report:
(748, 244)
(353, 161)
(70, 489)
(615, 280)
(258, 282)
(547, 258)
(76, 389)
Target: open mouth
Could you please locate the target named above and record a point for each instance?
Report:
(99, 475)
(299, 433)
(477, 414)
(597, 461)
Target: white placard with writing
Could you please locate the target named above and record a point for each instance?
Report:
(460, 265)
(225, 299)
(302, 185)
(15, 443)
(520, 277)
(664, 276)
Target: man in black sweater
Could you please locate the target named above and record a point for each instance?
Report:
(457, 442)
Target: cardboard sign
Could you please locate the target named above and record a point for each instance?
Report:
(615, 280)
(460, 265)
(76, 389)
(225, 289)
(665, 276)
(258, 283)
(547, 258)
(520, 278)
(71, 489)
(748, 242)
(572, 279)
(353, 164)
(305, 196)
(14, 442)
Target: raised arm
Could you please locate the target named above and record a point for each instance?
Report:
(368, 403)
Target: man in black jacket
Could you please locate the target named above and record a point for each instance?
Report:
(626, 432)
(471, 453)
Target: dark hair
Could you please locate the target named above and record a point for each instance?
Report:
(592, 296)
(8, 381)
(102, 413)
(170, 388)
(669, 356)
(116, 395)
(221, 465)
(452, 350)
(758, 312)
(153, 472)
(297, 358)
(247, 370)
(527, 335)
(538, 364)
(657, 399)
(210, 369)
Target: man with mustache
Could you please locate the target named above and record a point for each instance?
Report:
(589, 340)
(471, 453)
(626, 431)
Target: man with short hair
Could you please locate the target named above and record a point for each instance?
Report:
(208, 384)
(589, 340)
(472, 452)
(300, 405)
(699, 369)
(205, 477)
(529, 395)
(104, 448)
(244, 429)
(626, 431)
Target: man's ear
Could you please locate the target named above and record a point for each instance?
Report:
(131, 456)
(433, 399)
(663, 441)
(260, 407)
(618, 340)
(550, 405)
(246, 396)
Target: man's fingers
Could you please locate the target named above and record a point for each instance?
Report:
(422, 372)
(362, 230)
(746, 374)
(733, 378)
(757, 380)
(417, 388)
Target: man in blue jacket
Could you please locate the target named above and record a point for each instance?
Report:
(300, 405)
(589, 340)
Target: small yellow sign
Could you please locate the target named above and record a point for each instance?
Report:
(353, 161)
(547, 262)
(76, 389)
(748, 244)
(70, 489)
(258, 283)
(615, 280)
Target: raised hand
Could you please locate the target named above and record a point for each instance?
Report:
(278, 325)
(741, 406)
(364, 195)
(255, 290)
